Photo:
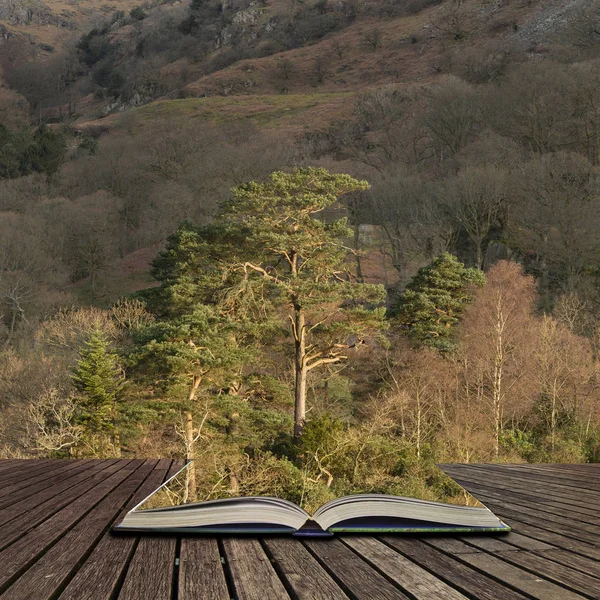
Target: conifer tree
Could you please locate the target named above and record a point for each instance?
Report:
(297, 258)
(435, 299)
(98, 379)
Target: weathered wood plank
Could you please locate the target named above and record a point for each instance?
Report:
(412, 578)
(157, 554)
(533, 482)
(7, 463)
(453, 572)
(546, 564)
(303, 573)
(28, 548)
(355, 575)
(52, 570)
(18, 519)
(555, 523)
(151, 571)
(35, 486)
(520, 481)
(22, 471)
(554, 492)
(100, 575)
(520, 579)
(201, 570)
(556, 539)
(253, 576)
(578, 509)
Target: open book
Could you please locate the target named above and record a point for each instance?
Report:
(166, 510)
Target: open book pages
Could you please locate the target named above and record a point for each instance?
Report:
(169, 509)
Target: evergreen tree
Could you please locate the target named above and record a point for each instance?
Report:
(296, 265)
(98, 379)
(435, 299)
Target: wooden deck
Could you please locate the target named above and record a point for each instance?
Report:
(55, 542)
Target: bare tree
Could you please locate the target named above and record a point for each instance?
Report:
(321, 68)
(477, 199)
(451, 19)
(497, 336)
(51, 424)
(373, 37)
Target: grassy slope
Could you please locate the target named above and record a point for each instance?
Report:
(413, 50)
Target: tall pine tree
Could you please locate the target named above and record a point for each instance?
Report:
(297, 265)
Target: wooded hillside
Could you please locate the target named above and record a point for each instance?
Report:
(316, 245)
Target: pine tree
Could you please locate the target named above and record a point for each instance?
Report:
(297, 263)
(435, 299)
(99, 380)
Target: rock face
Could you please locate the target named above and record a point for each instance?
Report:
(27, 12)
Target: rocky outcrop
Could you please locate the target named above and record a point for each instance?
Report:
(27, 12)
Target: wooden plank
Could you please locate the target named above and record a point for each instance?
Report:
(516, 541)
(53, 569)
(17, 520)
(548, 471)
(454, 573)
(7, 466)
(28, 470)
(357, 577)
(581, 563)
(412, 578)
(543, 500)
(152, 567)
(473, 482)
(201, 570)
(521, 482)
(19, 555)
(24, 470)
(31, 478)
(252, 574)
(520, 579)
(558, 509)
(551, 566)
(33, 487)
(532, 482)
(302, 572)
(100, 575)
(7, 463)
(556, 539)
(151, 572)
(548, 521)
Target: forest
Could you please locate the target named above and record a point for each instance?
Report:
(381, 255)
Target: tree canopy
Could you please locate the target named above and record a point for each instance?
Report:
(434, 300)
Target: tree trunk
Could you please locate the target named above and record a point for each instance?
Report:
(300, 372)
(189, 455)
(359, 273)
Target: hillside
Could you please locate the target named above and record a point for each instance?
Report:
(278, 47)
(319, 245)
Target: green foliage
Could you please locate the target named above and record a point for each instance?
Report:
(89, 144)
(295, 263)
(518, 442)
(98, 379)
(299, 260)
(26, 151)
(192, 268)
(435, 299)
(182, 354)
(137, 13)
(321, 434)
